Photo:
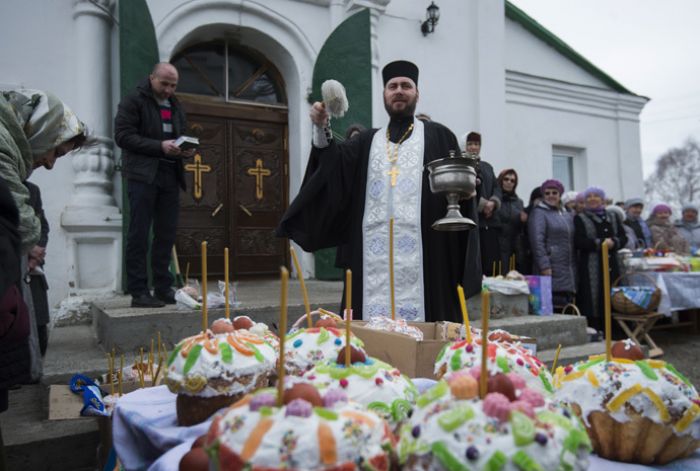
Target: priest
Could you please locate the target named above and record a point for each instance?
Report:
(352, 189)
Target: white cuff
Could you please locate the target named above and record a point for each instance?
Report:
(321, 137)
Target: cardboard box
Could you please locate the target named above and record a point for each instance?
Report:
(414, 358)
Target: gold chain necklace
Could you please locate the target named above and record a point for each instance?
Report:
(394, 157)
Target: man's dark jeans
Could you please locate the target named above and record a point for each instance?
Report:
(156, 203)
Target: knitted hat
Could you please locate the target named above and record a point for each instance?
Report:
(660, 208)
(634, 202)
(568, 197)
(689, 207)
(552, 183)
(594, 190)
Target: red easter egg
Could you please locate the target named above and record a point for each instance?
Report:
(195, 460)
(221, 326)
(303, 391)
(356, 356)
(502, 384)
(627, 349)
(242, 322)
(325, 322)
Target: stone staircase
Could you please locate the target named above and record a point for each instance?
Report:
(110, 323)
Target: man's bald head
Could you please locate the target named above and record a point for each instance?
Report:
(163, 79)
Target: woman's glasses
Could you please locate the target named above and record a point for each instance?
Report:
(551, 193)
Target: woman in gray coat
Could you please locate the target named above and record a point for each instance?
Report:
(551, 231)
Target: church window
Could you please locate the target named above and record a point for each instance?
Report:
(230, 72)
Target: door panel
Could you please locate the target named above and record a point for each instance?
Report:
(242, 166)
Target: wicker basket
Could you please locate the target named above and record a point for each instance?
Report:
(624, 305)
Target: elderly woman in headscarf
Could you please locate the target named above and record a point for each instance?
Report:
(593, 227)
(664, 234)
(551, 232)
(36, 128)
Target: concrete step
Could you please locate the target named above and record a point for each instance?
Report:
(127, 329)
(32, 442)
(571, 354)
(75, 349)
(549, 331)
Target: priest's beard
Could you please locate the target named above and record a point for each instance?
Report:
(406, 112)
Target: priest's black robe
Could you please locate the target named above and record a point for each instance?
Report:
(329, 209)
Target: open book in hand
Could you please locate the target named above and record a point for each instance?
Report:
(187, 142)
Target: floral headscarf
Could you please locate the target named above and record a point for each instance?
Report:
(46, 121)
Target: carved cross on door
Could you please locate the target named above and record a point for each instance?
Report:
(259, 172)
(197, 168)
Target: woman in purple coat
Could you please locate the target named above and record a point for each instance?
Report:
(551, 231)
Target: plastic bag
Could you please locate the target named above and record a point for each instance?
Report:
(507, 287)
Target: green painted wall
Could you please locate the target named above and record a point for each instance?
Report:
(346, 56)
(138, 52)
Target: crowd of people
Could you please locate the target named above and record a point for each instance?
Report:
(559, 233)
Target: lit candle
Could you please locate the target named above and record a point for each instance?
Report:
(465, 313)
(484, 376)
(556, 358)
(348, 314)
(284, 275)
(304, 293)
(226, 302)
(110, 367)
(391, 268)
(205, 321)
(606, 301)
(119, 378)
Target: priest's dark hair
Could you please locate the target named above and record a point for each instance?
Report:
(400, 69)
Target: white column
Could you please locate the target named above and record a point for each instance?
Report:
(92, 218)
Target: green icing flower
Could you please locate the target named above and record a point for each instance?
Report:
(523, 428)
(525, 462)
(226, 352)
(503, 364)
(192, 358)
(456, 360)
(497, 461)
(432, 394)
(447, 459)
(453, 419)
(173, 354)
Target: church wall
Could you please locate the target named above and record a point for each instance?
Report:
(461, 64)
(528, 54)
(606, 137)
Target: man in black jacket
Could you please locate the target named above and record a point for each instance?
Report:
(148, 122)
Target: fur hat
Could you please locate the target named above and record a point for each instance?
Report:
(634, 202)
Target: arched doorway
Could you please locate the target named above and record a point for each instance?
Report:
(238, 182)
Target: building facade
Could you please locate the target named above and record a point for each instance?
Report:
(248, 72)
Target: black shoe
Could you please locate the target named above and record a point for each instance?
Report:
(146, 300)
(168, 297)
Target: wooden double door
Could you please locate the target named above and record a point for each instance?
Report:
(237, 187)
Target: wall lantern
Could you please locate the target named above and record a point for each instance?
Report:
(431, 18)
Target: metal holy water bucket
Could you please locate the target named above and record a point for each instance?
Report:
(455, 177)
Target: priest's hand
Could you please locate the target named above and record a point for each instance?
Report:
(318, 114)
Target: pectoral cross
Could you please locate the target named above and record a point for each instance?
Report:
(394, 172)
(259, 172)
(197, 168)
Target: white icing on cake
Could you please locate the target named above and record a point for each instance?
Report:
(650, 388)
(307, 347)
(371, 383)
(503, 358)
(293, 441)
(444, 430)
(195, 370)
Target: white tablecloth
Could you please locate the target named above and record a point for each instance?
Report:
(146, 435)
(679, 290)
